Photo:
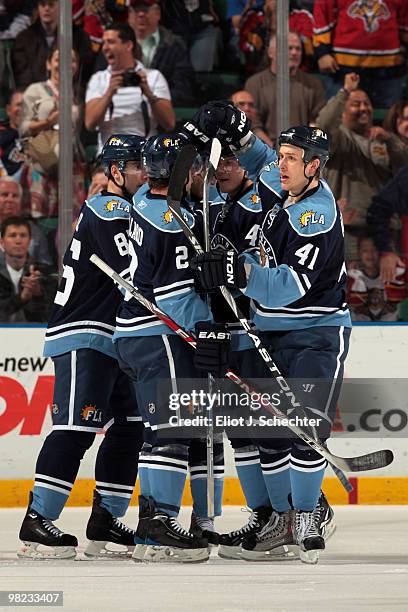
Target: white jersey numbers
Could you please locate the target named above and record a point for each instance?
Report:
(309, 252)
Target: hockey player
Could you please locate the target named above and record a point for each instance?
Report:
(91, 393)
(150, 353)
(235, 219)
(297, 287)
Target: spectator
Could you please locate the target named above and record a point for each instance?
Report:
(26, 288)
(95, 15)
(369, 299)
(40, 117)
(99, 182)
(15, 16)
(195, 22)
(396, 120)
(32, 46)
(391, 200)
(11, 195)
(126, 98)
(11, 149)
(364, 38)
(363, 157)
(245, 101)
(306, 92)
(161, 49)
(258, 23)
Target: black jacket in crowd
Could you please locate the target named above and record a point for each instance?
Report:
(30, 49)
(36, 310)
(391, 199)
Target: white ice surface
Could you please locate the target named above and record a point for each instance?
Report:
(365, 567)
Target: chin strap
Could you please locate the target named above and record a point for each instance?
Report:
(125, 192)
(309, 180)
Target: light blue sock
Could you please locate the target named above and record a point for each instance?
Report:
(306, 476)
(250, 476)
(275, 469)
(167, 476)
(198, 486)
(48, 503)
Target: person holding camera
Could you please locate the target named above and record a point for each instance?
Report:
(126, 97)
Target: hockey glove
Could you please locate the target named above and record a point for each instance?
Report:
(224, 121)
(196, 136)
(213, 346)
(220, 268)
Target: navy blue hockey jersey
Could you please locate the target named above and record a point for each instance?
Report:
(86, 302)
(234, 224)
(298, 280)
(159, 254)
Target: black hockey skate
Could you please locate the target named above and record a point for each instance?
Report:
(103, 529)
(273, 542)
(203, 527)
(38, 531)
(230, 543)
(307, 536)
(324, 517)
(146, 511)
(169, 542)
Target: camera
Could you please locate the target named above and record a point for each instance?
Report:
(131, 78)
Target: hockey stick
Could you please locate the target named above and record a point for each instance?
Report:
(176, 185)
(371, 461)
(213, 162)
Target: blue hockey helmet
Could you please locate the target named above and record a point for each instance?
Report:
(314, 142)
(121, 148)
(160, 153)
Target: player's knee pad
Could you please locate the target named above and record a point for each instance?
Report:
(128, 437)
(304, 452)
(197, 454)
(172, 449)
(74, 443)
(241, 444)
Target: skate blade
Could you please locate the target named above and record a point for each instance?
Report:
(230, 552)
(170, 554)
(311, 557)
(139, 553)
(281, 553)
(107, 550)
(31, 550)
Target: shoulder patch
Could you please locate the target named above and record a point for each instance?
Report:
(251, 201)
(314, 215)
(157, 213)
(109, 207)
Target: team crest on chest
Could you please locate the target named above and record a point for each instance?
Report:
(270, 217)
(370, 11)
(310, 217)
(220, 241)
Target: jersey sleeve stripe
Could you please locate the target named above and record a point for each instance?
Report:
(299, 281)
(165, 296)
(189, 281)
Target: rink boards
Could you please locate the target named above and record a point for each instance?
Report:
(26, 387)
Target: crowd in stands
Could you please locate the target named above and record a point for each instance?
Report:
(141, 66)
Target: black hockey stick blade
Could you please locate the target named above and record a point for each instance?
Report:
(180, 172)
(371, 461)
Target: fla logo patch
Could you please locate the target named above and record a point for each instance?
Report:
(310, 217)
(91, 413)
(168, 217)
(111, 205)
